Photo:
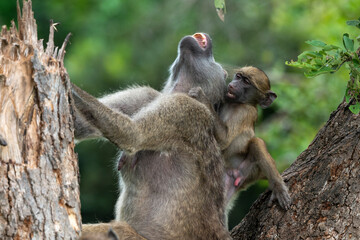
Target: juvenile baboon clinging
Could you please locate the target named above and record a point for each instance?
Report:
(176, 191)
(246, 156)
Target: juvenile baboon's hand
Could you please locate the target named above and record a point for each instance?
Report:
(280, 193)
(198, 94)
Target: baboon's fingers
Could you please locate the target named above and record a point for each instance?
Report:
(282, 197)
(285, 200)
(272, 198)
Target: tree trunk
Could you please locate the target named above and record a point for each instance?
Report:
(39, 186)
(324, 186)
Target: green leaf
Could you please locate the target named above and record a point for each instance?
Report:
(303, 65)
(330, 47)
(318, 62)
(295, 64)
(220, 8)
(316, 43)
(348, 43)
(323, 70)
(305, 54)
(355, 109)
(355, 23)
(347, 95)
(219, 3)
(356, 63)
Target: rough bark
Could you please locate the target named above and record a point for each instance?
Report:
(324, 185)
(39, 188)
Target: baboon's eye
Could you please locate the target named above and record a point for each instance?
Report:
(246, 80)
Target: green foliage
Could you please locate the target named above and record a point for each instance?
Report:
(330, 58)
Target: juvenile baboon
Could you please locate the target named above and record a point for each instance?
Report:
(177, 189)
(246, 156)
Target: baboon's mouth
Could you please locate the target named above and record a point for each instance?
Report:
(229, 94)
(201, 39)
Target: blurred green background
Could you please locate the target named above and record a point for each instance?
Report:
(118, 43)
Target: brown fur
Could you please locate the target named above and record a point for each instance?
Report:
(246, 156)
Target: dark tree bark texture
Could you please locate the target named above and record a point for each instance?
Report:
(39, 188)
(324, 184)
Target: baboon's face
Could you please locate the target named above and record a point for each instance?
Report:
(250, 85)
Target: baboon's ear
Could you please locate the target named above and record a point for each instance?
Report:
(270, 96)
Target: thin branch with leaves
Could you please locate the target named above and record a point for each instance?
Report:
(330, 58)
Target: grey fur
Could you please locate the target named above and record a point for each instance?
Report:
(176, 190)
